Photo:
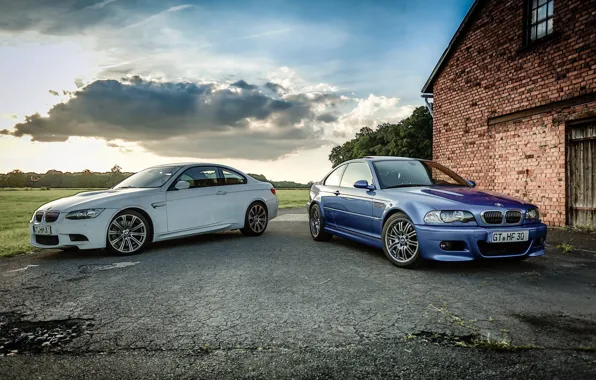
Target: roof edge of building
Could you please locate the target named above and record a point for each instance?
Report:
(428, 86)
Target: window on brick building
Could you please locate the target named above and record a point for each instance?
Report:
(540, 19)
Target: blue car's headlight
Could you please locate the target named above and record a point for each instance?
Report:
(84, 214)
(533, 214)
(448, 216)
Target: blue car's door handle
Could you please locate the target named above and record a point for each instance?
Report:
(336, 192)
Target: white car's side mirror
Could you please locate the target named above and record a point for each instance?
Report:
(182, 185)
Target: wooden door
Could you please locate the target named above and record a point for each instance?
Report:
(581, 168)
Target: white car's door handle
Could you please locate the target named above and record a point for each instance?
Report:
(221, 193)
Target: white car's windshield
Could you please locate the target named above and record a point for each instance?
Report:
(152, 177)
(408, 173)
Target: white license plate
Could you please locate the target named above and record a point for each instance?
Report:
(42, 230)
(508, 237)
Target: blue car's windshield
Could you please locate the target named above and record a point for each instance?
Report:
(408, 173)
(152, 177)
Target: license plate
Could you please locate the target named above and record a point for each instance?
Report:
(509, 237)
(42, 230)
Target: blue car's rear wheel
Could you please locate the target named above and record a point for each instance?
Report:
(317, 224)
(400, 241)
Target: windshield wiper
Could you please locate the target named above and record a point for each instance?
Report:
(405, 185)
(127, 187)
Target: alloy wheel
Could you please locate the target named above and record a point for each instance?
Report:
(401, 241)
(257, 218)
(315, 222)
(127, 233)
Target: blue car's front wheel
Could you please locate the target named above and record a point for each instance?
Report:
(400, 241)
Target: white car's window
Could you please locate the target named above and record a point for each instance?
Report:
(152, 177)
(335, 177)
(356, 172)
(200, 176)
(232, 178)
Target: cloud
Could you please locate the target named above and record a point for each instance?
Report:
(370, 112)
(274, 87)
(52, 16)
(264, 34)
(100, 4)
(186, 119)
(155, 16)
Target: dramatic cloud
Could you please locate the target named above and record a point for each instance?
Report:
(52, 16)
(184, 119)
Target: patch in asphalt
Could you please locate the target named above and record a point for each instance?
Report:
(98, 267)
(18, 336)
(291, 218)
(22, 269)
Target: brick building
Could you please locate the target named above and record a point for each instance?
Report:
(514, 104)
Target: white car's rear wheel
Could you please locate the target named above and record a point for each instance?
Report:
(256, 220)
(128, 233)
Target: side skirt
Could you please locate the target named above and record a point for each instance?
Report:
(363, 239)
(195, 231)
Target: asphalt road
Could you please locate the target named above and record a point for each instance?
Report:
(284, 306)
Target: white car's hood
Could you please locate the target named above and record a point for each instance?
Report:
(100, 199)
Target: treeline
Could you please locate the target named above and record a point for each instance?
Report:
(58, 179)
(89, 180)
(282, 184)
(411, 137)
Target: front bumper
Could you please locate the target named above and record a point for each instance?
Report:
(68, 233)
(475, 241)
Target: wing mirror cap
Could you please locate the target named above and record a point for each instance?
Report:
(182, 185)
(363, 184)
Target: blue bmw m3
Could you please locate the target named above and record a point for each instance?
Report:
(418, 210)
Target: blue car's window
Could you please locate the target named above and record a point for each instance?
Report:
(356, 172)
(334, 178)
(402, 173)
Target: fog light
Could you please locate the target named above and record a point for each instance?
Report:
(445, 245)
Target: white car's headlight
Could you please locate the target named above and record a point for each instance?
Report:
(448, 217)
(533, 214)
(89, 213)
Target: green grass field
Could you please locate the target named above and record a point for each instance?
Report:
(17, 207)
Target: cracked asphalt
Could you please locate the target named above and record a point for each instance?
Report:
(284, 306)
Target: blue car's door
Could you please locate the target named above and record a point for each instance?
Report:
(329, 191)
(355, 206)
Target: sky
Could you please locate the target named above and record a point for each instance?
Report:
(268, 87)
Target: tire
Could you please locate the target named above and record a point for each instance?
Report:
(128, 233)
(256, 220)
(400, 241)
(316, 224)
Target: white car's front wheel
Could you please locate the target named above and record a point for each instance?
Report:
(128, 233)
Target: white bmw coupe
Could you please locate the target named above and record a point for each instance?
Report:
(159, 203)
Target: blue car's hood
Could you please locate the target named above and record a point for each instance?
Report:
(466, 195)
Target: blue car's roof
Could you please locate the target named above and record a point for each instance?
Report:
(385, 158)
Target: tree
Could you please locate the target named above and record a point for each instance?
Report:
(411, 137)
(16, 178)
(115, 176)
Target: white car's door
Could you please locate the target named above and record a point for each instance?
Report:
(237, 196)
(198, 206)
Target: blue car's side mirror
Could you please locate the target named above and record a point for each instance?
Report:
(363, 184)
(472, 183)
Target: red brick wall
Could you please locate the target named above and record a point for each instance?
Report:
(491, 73)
